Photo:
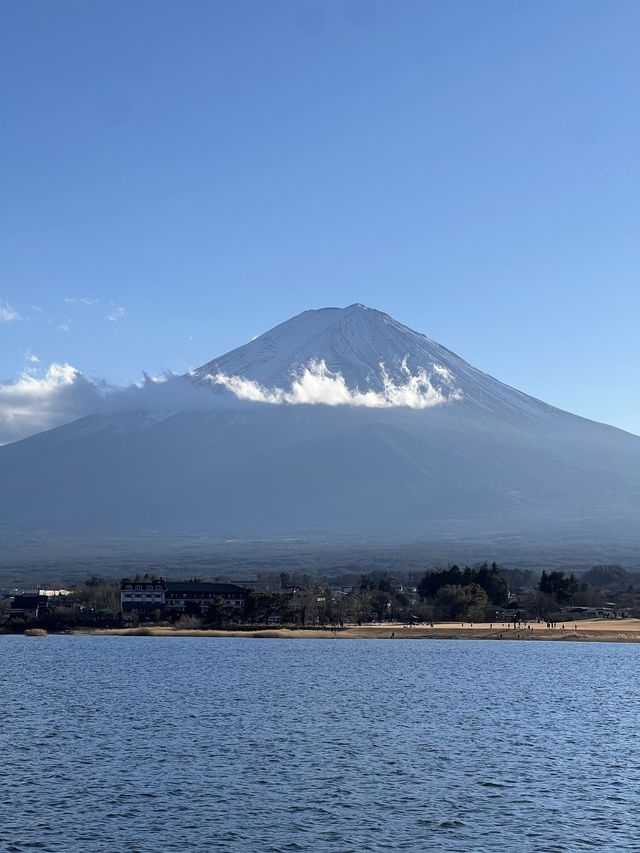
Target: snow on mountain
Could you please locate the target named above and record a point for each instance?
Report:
(352, 341)
(318, 355)
(412, 439)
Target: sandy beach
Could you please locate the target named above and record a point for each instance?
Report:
(592, 630)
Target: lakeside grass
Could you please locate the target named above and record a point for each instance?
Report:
(591, 630)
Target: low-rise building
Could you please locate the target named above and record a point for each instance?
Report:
(183, 595)
(149, 593)
(142, 594)
(55, 593)
(28, 606)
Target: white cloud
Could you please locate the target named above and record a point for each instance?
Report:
(116, 314)
(317, 385)
(33, 403)
(31, 357)
(80, 300)
(43, 398)
(65, 326)
(7, 313)
(36, 308)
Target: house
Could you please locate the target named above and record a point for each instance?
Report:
(343, 589)
(142, 594)
(28, 606)
(607, 612)
(148, 593)
(181, 596)
(55, 593)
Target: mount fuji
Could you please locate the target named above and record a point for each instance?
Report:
(337, 420)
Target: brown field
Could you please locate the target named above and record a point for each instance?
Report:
(588, 630)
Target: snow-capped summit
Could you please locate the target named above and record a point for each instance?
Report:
(411, 438)
(352, 341)
(371, 352)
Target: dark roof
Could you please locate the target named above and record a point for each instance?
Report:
(201, 586)
(26, 602)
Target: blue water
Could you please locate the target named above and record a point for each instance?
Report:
(149, 744)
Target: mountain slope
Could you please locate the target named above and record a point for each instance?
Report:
(367, 348)
(481, 457)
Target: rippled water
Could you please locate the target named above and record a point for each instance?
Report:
(149, 744)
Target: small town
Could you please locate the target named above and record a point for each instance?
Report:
(483, 594)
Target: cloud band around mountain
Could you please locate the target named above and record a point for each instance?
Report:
(317, 385)
(41, 400)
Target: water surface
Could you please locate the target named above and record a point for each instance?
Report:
(150, 744)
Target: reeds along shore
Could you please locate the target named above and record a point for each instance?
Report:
(593, 630)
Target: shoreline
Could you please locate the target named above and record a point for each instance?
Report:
(594, 630)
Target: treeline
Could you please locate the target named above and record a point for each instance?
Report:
(487, 577)
(469, 593)
(482, 592)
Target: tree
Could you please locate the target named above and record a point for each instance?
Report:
(462, 602)
(558, 584)
(98, 594)
(380, 602)
(486, 576)
(490, 579)
(218, 612)
(360, 608)
(609, 577)
(262, 607)
(433, 581)
(307, 606)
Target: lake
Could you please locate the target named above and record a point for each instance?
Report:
(149, 744)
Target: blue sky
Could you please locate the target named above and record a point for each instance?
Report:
(192, 173)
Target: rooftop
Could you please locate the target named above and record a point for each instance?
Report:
(202, 586)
